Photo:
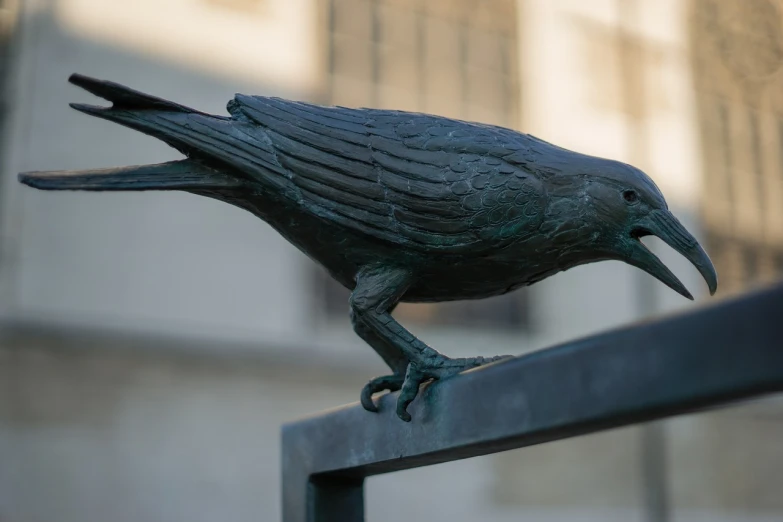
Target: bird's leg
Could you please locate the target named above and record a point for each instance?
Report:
(377, 291)
(391, 355)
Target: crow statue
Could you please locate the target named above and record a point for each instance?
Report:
(398, 206)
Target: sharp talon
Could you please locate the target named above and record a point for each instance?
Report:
(410, 388)
(366, 398)
(391, 383)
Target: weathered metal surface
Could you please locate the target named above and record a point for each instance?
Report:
(705, 358)
(398, 206)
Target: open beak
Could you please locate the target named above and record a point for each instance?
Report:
(663, 224)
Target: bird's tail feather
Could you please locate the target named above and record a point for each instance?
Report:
(154, 116)
(214, 140)
(125, 98)
(184, 175)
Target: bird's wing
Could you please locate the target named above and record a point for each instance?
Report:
(428, 182)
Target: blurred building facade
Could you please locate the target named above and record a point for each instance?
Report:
(155, 342)
(737, 58)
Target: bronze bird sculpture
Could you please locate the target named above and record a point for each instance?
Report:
(398, 206)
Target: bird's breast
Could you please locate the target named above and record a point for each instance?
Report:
(479, 278)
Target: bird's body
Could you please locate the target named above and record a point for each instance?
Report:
(397, 206)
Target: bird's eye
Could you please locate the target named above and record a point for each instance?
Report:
(630, 196)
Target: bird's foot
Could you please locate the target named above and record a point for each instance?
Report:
(390, 383)
(436, 367)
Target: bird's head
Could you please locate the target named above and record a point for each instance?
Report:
(626, 205)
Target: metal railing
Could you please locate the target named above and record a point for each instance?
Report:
(708, 357)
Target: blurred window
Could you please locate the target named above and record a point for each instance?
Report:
(457, 58)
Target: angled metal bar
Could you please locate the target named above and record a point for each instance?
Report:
(651, 370)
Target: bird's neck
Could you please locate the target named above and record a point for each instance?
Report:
(572, 227)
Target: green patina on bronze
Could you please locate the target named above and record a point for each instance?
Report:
(399, 206)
